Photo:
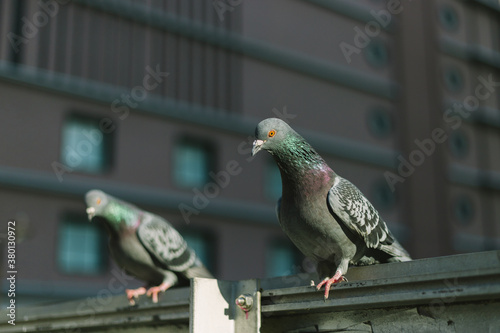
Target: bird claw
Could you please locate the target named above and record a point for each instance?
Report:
(154, 291)
(312, 283)
(134, 293)
(328, 283)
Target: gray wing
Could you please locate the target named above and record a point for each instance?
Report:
(165, 243)
(350, 205)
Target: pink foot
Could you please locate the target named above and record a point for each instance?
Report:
(134, 293)
(335, 279)
(154, 291)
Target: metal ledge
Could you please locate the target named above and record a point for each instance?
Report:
(468, 277)
(454, 293)
(98, 314)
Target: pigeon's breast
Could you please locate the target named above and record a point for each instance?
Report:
(129, 254)
(312, 228)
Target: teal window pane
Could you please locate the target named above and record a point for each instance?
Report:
(382, 197)
(81, 248)
(83, 145)
(459, 144)
(448, 17)
(380, 122)
(203, 245)
(453, 79)
(463, 210)
(272, 181)
(376, 53)
(191, 164)
(282, 260)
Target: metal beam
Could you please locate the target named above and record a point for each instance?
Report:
(214, 309)
(453, 293)
(471, 276)
(106, 313)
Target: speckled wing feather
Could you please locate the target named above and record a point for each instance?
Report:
(358, 214)
(165, 243)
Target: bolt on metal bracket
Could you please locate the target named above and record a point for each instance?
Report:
(244, 302)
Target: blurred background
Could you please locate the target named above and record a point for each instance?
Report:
(155, 102)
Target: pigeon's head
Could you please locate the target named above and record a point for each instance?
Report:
(270, 134)
(96, 203)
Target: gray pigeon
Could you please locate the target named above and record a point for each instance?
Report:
(144, 245)
(324, 215)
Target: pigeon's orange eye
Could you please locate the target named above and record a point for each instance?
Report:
(271, 133)
(98, 201)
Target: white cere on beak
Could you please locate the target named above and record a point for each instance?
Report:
(91, 212)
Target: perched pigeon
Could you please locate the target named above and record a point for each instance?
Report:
(324, 215)
(144, 245)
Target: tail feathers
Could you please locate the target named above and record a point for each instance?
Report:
(396, 251)
(197, 270)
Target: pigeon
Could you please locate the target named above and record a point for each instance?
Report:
(144, 245)
(324, 215)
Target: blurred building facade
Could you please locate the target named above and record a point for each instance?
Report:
(155, 102)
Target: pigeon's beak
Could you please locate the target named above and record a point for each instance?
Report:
(257, 146)
(90, 212)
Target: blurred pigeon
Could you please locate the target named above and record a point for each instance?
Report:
(324, 215)
(144, 245)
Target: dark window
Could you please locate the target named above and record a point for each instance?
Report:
(282, 259)
(453, 79)
(382, 197)
(448, 18)
(380, 122)
(84, 146)
(192, 163)
(81, 246)
(203, 245)
(376, 53)
(463, 209)
(459, 144)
